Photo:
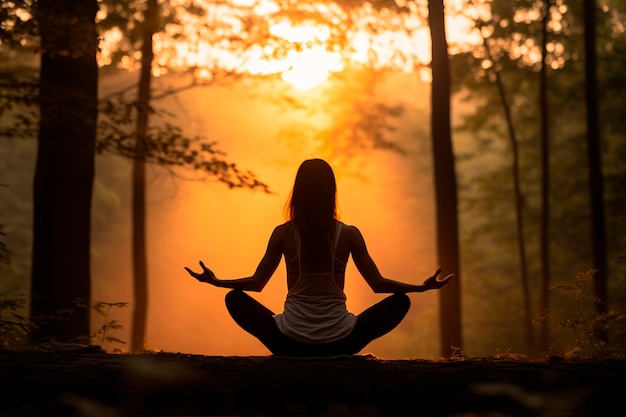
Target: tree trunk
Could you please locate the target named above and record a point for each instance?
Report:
(544, 331)
(62, 189)
(445, 183)
(518, 198)
(596, 187)
(140, 258)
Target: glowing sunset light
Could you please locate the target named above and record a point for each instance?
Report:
(301, 33)
(303, 43)
(310, 68)
(258, 7)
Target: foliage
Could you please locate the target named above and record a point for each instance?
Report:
(103, 334)
(166, 145)
(14, 327)
(17, 28)
(579, 319)
(18, 91)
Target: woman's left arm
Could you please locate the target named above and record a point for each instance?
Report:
(379, 284)
(262, 275)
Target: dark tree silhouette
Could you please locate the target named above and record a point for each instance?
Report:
(140, 257)
(518, 201)
(544, 330)
(60, 286)
(596, 188)
(445, 183)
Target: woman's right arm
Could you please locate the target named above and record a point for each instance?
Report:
(264, 271)
(379, 284)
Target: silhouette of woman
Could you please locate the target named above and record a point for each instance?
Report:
(316, 247)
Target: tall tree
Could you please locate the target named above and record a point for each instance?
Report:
(596, 187)
(544, 248)
(518, 202)
(445, 182)
(140, 257)
(60, 282)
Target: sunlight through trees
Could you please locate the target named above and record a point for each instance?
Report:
(303, 42)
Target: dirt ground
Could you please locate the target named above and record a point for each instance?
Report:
(88, 382)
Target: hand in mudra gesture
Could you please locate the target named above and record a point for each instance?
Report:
(205, 276)
(434, 282)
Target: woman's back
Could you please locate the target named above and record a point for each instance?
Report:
(315, 306)
(332, 255)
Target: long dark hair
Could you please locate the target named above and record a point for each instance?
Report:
(312, 207)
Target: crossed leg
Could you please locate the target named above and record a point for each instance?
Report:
(371, 324)
(377, 321)
(255, 318)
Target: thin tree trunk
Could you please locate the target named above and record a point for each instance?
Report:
(445, 183)
(519, 215)
(544, 331)
(64, 171)
(140, 258)
(596, 186)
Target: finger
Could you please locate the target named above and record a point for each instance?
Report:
(204, 268)
(446, 279)
(193, 274)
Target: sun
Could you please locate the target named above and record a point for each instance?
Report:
(309, 68)
(309, 62)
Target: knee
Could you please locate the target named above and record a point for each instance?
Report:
(233, 298)
(402, 301)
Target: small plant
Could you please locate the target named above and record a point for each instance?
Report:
(103, 335)
(595, 335)
(14, 327)
(457, 354)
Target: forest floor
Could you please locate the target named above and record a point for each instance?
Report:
(89, 382)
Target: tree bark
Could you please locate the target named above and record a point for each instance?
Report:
(60, 280)
(445, 183)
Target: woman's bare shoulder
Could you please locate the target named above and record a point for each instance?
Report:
(282, 229)
(351, 231)
(350, 227)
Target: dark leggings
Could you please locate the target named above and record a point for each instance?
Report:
(371, 324)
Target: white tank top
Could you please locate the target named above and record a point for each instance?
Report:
(315, 307)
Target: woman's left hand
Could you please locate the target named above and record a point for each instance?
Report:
(434, 283)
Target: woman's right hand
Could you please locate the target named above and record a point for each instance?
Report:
(206, 276)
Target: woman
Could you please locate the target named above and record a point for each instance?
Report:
(316, 246)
